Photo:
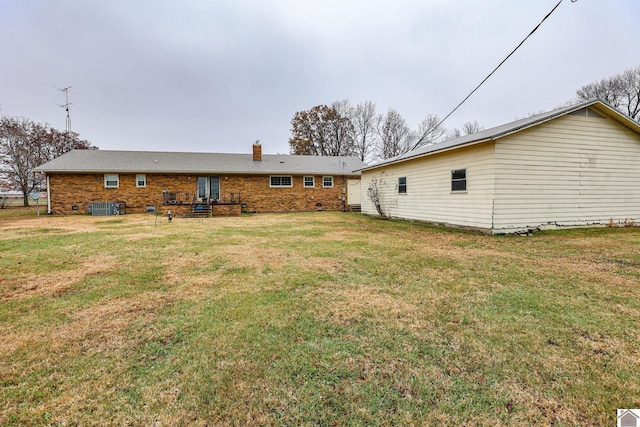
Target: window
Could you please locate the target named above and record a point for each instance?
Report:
(327, 181)
(402, 185)
(208, 187)
(459, 180)
(309, 181)
(281, 181)
(141, 180)
(111, 180)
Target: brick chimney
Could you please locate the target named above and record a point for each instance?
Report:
(257, 152)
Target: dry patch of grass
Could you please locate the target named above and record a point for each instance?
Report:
(54, 283)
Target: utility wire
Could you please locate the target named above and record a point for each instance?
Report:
(496, 69)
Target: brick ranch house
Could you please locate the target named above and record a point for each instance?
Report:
(198, 183)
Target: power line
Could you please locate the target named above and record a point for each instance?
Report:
(496, 69)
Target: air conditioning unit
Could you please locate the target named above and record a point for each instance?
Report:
(107, 208)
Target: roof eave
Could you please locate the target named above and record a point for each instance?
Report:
(199, 172)
(417, 156)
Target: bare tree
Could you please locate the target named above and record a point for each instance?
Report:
(453, 134)
(621, 92)
(395, 137)
(471, 127)
(467, 129)
(430, 131)
(631, 97)
(364, 120)
(341, 129)
(25, 145)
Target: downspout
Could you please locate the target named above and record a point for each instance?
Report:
(48, 196)
(344, 195)
(493, 213)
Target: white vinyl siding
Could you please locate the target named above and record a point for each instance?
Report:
(111, 180)
(571, 171)
(430, 198)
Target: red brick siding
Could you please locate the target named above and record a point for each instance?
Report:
(81, 190)
(256, 193)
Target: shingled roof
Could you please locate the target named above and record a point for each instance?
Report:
(508, 129)
(105, 161)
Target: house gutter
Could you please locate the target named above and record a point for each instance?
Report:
(195, 172)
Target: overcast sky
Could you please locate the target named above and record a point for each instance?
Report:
(216, 75)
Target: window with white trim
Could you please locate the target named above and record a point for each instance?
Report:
(309, 181)
(459, 180)
(402, 185)
(280, 181)
(327, 181)
(141, 180)
(111, 180)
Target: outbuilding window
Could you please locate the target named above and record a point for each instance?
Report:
(281, 181)
(141, 180)
(327, 181)
(459, 180)
(111, 180)
(309, 181)
(402, 185)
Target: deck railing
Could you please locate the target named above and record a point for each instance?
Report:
(189, 198)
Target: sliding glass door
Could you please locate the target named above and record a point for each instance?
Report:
(208, 188)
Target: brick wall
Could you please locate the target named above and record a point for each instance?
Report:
(256, 193)
(68, 190)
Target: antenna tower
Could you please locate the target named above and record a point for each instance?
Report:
(66, 107)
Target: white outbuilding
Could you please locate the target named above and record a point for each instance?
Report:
(576, 166)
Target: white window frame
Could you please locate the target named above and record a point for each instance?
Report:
(324, 181)
(271, 184)
(107, 180)
(459, 180)
(138, 179)
(400, 185)
(313, 181)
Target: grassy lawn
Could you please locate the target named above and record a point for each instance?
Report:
(313, 319)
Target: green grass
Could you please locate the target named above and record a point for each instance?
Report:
(313, 319)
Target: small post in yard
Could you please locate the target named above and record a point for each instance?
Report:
(36, 196)
(169, 215)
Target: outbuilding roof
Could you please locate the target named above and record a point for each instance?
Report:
(104, 161)
(509, 128)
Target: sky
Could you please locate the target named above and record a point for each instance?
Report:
(217, 75)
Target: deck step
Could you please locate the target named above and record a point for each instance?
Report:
(200, 211)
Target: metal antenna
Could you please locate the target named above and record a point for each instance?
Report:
(66, 106)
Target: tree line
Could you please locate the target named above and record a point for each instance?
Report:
(621, 92)
(344, 129)
(24, 145)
